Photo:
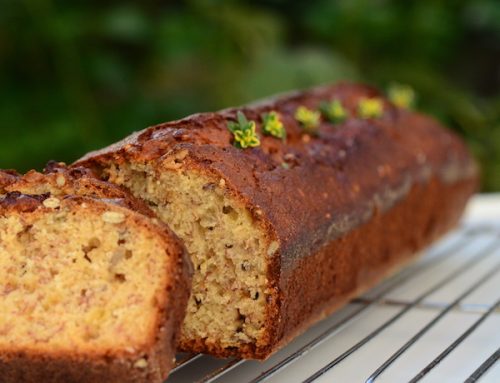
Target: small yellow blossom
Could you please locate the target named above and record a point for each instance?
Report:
(403, 96)
(273, 126)
(247, 138)
(244, 132)
(309, 119)
(334, 111)
(370, 108)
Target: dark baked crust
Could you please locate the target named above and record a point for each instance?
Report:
(319, 196)
(7, 177)
(30, 367)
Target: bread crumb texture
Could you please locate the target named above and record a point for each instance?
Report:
(227, 307)
(73, 278)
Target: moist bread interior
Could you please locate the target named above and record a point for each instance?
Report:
(227, 307)
(77, 278)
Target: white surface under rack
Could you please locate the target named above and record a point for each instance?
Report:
(438, 320)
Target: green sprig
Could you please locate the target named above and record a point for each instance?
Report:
(334, 111)
(403, 96)
(272, 125)
(309, 119)
(370, 108)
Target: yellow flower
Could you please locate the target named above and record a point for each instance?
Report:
(370, 108)
(247, 138)
(334, 111)
(309, 119)
(403, 96)
(273, 126)
(243, 132)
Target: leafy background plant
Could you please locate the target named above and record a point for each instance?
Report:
(75, 76)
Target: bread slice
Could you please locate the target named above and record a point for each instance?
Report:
(285, 230)
(90, 290)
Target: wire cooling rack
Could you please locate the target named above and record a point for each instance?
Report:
(437, 320)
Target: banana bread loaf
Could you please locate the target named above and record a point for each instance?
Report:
(93, 288)
(292, 206)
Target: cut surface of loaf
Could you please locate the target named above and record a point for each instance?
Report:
(90, 290)
(283, 233)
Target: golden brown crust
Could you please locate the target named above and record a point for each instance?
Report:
(311, 193)
(58, 179)
(27, 366)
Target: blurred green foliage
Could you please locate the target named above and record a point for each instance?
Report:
(76, 76)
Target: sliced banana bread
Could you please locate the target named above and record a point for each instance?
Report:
(292, 206)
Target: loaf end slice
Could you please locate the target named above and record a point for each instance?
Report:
(90, 290)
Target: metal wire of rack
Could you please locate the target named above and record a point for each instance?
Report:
(419, 325)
